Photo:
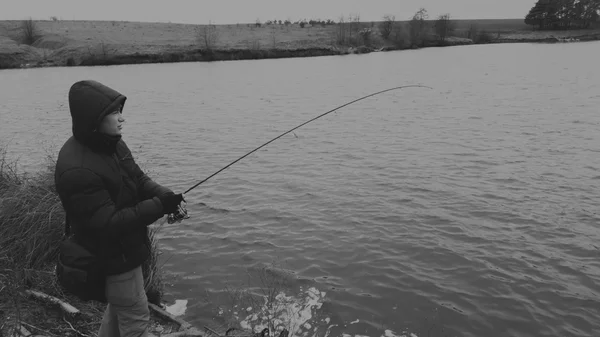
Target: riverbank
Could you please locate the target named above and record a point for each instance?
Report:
(87, 43)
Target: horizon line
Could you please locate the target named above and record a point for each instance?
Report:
(223, 24)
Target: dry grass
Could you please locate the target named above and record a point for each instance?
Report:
(153, 282)
(123, 42)
(149, 37)
(31, 223)
(31, 227)
(74, 42)
(135, 36)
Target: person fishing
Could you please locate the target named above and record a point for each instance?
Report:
(109, 202)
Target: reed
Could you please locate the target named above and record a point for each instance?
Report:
(31, 227)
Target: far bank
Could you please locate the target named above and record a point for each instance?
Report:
(90, 43)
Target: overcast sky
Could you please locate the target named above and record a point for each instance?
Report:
(244, 11)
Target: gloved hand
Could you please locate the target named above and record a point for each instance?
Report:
(170, 202)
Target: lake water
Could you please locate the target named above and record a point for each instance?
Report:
(466, 210)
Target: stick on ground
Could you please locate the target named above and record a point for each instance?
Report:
(183, 325)
(66, 307)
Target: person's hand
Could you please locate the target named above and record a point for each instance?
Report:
(170, 202)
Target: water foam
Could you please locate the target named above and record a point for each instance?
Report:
(299, 314)
(178, 308)
(293, 313)
(386, 333)
(390, 333)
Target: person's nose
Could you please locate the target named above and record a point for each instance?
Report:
(121, 119)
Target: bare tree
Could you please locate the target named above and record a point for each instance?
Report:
(387, 26)
(400, 36)
(29, 32)
(274, 36)
(341, 33)
(472, 32)
(443, 26)
(102, 52)
(346, 28)
(418, 27)
(365, 35)
(354, 26)
(208, 36)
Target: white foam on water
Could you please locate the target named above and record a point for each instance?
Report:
(297, 314)
(386, 333)
(178, 308)
(390, 333)
(329, 327)
(287, 312)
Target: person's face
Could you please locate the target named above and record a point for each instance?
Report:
(112, 123)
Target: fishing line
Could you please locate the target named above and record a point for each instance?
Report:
(182, 214)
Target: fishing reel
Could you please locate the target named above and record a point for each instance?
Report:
(178, 216)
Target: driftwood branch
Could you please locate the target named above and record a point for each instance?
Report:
(66, 307)
(185, 328)
(24, 332)
(79, 333)
(193, 332)
(213, 332)
(183, 325)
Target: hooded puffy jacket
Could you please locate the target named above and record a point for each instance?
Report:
(108, 200)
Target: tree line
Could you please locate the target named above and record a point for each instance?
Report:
(563, 14)
(418, 31)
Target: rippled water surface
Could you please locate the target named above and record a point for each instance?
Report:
(469, 208)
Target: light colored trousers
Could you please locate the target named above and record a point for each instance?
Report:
(127, 313)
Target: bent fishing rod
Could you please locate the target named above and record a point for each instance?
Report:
(182, 212)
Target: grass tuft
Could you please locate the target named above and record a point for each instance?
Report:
(153, 282)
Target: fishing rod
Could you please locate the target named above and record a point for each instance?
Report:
(182, 212)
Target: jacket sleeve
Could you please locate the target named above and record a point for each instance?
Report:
(146, 186)
(87, 200)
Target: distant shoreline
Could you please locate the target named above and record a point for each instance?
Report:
(95, 43)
